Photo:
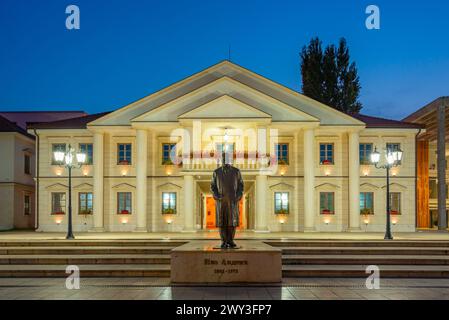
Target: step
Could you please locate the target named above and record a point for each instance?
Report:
(364, 260)
(363, 251)
(358, 271)
(83, 250)
(360, 243)
(110, 270)
(90, 243)
(84, 259)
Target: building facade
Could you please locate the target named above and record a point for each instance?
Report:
(17, 172)
(16, 177)
(432, 159)
(305, 165)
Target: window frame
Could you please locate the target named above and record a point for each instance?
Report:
(164, 209)
(62, 207)
(165, 161)
(399, 200)
(26, 205)
(121, 212)
(327, 193)
(365, 201)
(398, 144)
(367, 157)
(80, 203)
(27, 164)
(89, 155)
(326, 150)
(280, 158)
(282, 210)
(125, 162)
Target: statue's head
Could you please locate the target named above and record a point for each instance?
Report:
(223, 159)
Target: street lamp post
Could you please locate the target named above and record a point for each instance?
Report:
(392, 159)
(66, 159)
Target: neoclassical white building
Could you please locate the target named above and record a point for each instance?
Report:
(305, 165)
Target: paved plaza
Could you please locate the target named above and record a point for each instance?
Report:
(160, 289)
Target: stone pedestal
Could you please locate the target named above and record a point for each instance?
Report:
(202, 262)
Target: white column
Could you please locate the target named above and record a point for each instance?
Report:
(141, 179)
(188, 203)
(309, 180)
(261, 203)
(98, 181)
(354, 181)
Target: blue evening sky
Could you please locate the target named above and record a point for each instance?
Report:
(128, 49)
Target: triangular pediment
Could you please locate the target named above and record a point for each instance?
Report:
(225, 107)
(57, 186)
(123, 185)
(169, 185)
(282, 185)
(84, 186)
(395, 185)
(226, 78)
(225, 98)
(327, 185)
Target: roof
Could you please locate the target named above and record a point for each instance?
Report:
(418, 115)
(428, 116)
(74, 123)
(8, 126)
(376, 122)
(21, 118)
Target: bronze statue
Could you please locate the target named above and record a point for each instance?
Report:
(227, 189)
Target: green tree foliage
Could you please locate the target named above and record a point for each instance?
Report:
(329, 76)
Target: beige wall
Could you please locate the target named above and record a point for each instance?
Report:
(14, 183)
(329, 178)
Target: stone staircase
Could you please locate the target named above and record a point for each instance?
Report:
(115, 258)
(151, 258)
(401, 259)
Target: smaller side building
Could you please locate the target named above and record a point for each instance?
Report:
(17, 152)
(18, 166)
(432, 158)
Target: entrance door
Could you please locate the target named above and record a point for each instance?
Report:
(210, 213)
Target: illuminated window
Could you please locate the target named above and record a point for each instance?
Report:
(124, 156)
(327, 203)
(366, 203)
(282, 153)
(393, 147)
(365, 150)
(87, 149)
(85, 202)
(124, 205)
(58, 203)
(326, 153)
(168, 153)
(168, 202)
(281, 203)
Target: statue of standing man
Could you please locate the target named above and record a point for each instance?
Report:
(227, 189)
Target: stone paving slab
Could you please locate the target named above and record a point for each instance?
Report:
(291, 289)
